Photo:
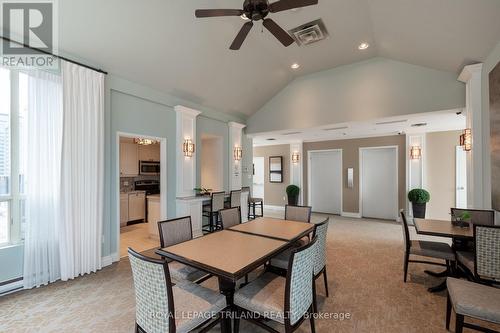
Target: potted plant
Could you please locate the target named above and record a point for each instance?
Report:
(201, 191)
(419, 198)
(292, 191)
(462, 220)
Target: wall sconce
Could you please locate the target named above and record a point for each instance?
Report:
(295, 157)
(188, 148)
(466, 140)
(415, 152)
(237, 153)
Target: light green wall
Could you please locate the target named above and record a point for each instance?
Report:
(371, 89)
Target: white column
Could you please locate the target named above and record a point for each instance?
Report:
(471, 76)
(235, 134)
(186, 166)
(296, 173)
(415, 168)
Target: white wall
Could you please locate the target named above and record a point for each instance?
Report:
(212, 164)
(371, 89)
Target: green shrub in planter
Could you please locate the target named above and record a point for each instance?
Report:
(292, 191)
(418, 198)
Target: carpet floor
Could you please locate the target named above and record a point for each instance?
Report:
(365, 277)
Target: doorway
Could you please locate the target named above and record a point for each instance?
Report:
(258, 178)
(379, 182)
(461, 178)
(141, 171)
(325, 181)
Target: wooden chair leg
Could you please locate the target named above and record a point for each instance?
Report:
(448, 312)
(315, 297)
(311, 320)
(325, 278)
(459, 323)
(407, 257)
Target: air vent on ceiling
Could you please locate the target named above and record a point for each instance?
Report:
(309, 33)
(391, 122)
(335, 128)
(419, 125)
(291, 133)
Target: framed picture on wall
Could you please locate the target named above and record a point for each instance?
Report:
(276, 169)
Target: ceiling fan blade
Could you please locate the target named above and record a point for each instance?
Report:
(217, 12)
(278, 32)
(240, 38)
(282, 5)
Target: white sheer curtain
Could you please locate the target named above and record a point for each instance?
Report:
(43, 170)
(82, 184)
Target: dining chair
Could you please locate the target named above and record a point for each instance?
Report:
(478, 300)
(211, 211)
(486, 254)
(477, 216)
(282, 260)
(287, 301)
(230, 217)
(298, 213)
(436, 250)
(235, 199)
(253, 203)
(160, 306)
(175, 231)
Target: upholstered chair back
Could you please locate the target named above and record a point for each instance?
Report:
(298, 213)
(235, 198)
(319, 257)
(218, 201)
(230, 217)
(487, 242)
(477, 216)
(175, 231)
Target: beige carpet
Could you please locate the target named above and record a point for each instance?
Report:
(365, 279)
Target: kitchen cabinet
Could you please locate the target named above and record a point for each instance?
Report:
(123, 209)
(153, 215)
(129, 159)
(149, 153)
(137, 206)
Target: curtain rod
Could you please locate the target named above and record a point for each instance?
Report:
(55, 55)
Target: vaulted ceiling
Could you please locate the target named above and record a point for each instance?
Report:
(160, 44)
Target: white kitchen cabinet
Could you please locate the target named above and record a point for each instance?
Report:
(129, 159)
(137, 206)
(123, 209)
(149, 153)
(153, 215)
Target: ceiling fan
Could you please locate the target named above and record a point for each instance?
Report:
(255, 10)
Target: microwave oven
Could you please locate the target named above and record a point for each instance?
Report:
(149, 168)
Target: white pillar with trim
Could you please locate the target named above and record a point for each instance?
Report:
(235, 169)
(471, 76)
(415, 167)
(187, 204)
(296, 173)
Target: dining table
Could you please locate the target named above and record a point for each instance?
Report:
(231, 254)
(444, 228)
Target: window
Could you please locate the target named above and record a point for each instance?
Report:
(13, 153)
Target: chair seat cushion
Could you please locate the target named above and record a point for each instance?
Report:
(467, 259)
(180, 272)
(255, 200)
(281, 260)
(432, 249)
(474, 300)
(264, 295)
(201, 302)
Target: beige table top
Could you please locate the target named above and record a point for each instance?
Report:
(441, 228)
(275, 228)
(225, 253)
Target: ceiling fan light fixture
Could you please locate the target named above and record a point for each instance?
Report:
(244, 17)
(295, 66)
(363, 46)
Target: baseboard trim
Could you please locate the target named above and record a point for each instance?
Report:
(280, 208)
(11, 287)
(352, 215)
(108, 260)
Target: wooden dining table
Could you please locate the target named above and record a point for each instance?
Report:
(233, 253)
(443, 228)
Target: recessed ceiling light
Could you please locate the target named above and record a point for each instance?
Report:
(363, 46)
(295, 66)
(244, 17)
